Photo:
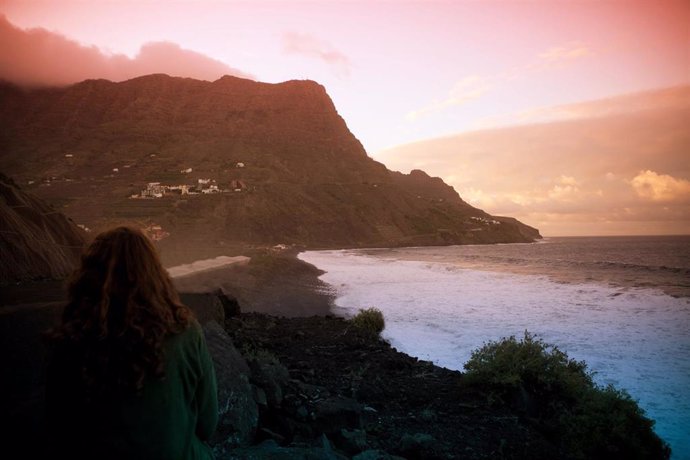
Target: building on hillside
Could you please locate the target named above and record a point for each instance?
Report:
(210, 189)
(183, 189)
(153, 190)
(485, 221)
(237, 185)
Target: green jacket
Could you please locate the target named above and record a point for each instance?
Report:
(171, 419)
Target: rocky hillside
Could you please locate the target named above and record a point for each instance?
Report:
(281, 165)
(37, 242)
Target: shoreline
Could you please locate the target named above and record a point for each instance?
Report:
(325, 358)
(504, 260)
(266, 281)
(373, 282)
(200, 266)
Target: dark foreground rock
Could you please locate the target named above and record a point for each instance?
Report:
(238, 413)
(303, 388)
(368, 401)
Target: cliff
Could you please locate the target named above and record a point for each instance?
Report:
(291, 170)
(37, 241)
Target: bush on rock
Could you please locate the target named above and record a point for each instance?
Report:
(370, 320)
(559, 395)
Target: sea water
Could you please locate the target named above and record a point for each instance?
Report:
(621, 304)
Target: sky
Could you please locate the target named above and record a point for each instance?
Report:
(452, 87)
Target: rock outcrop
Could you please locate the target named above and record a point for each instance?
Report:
(350, 394)
(37, 241)
(293, 171)
(314, 388)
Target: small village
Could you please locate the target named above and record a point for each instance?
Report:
(485, 221)
(203, 186)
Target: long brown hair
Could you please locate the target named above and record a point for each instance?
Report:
(122, 305)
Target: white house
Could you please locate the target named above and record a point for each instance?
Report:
(211, 189)
(153, 190)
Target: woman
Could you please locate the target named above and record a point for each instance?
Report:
(131, 376)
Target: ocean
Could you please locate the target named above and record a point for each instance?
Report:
(621, 304)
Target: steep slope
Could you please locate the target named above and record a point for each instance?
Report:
(291, 170)
(36, 240)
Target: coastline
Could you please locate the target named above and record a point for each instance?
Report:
(440, 311)
(265, 281)
(364, 393)
(200, 266)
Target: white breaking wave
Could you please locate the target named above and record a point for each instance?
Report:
(636, 339)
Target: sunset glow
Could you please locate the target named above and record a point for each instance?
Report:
(431, 85)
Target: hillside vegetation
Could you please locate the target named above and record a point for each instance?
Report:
(37, 242)
(287, 168)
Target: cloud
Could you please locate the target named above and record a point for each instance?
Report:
(660, 187)
(473, 87)
(555, 58)
(573, 50)
(567, 180)
(465, 90)
(307, 45)
(38, 57)
(600, 170)
(663, 99)
(565, 190)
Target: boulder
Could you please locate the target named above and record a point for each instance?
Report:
(206, 306)
(334, 414)
(238, 412)
(351, 441)
(231, 308)
(271, 376)
(418, 445)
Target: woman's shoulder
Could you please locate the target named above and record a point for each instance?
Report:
(186, 349)
(189, 335)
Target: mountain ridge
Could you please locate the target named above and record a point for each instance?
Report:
(303, 177)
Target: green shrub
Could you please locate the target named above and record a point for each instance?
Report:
(561, 399)
(530, 364)
(370, 320)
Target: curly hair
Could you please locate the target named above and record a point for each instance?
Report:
(122, 305)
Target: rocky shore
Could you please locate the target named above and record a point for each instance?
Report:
(327, 389)
(322, 387)
(296, 382)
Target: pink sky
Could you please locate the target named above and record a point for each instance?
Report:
(398, 72)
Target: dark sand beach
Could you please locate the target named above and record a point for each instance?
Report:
(271, 282)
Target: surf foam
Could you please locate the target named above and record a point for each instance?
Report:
(635, 339)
